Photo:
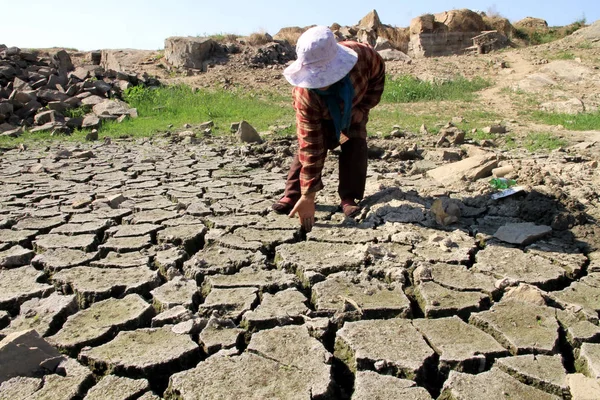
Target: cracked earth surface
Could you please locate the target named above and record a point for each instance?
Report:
(159, 270)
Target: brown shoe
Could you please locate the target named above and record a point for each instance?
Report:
(350, 208)
(282, 208)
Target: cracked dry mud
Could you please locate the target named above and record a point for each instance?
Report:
(188, 287)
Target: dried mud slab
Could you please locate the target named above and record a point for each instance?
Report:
(92, 284)
(53, 241)
(588, 361)
(546, 373)
(580, 295)
(343, 292)
(219, 260)
(436, 301)
(520, 327)
(391, 346)
(456, 277)
(493, 384)
(124, 260)
(265, 280)
(126, 244)
(101, 321)
(143, 352)
(19, 285)
(282, 308)
(214, 338)
(177, 292)
(117, 387)
(229, 303)
(452, 248)
(461, 346)
(369, 385)
(15, 256)
(58, 259)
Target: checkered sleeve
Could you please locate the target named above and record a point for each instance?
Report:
(376, 80)
(311, 145)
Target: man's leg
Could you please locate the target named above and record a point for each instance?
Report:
(353, 173)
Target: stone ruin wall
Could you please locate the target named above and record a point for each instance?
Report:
(440, 43)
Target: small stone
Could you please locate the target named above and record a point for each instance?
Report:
(247, 134)
(522, 233)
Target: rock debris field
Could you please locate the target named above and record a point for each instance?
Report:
(149, 269)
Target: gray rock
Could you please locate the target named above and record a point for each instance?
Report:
(15, 256)
(522, 233)
(471, 169)
(53, 241)
(188, 52)
(369, 385)
(46, 315)
(514, 264)
(229, 303)
(92, 284)
(148, 351)
(493, 384)
(117, 388)
(101, 322)
(348, 297)
(19, 285)
(437, 301)
(22, 353)
(247, 134)
(588, 361)
(542, 372)
(282, 308)
(461, 346)
(176, 292)
(394, 55)
(520, 327)
(393, 347)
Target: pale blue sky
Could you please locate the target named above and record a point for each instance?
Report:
(144, 24)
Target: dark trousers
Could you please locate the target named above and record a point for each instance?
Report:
(352, 174)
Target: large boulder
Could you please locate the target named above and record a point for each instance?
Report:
(461, 20)
(188, 52)
(499, 24)
(531, 23)
(370, 21)
(290, 34)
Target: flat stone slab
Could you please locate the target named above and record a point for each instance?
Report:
(441, 247)
(144, 351)
(123, 260)
(219, 260)
(177, 292)
(437, 301)
(190, 237)
(45, 315)
(520, 327)
(57, 259)
(493, 384)
(100, 322)
(229, 303)
(369, 385)
(122, 231)
(16, 256)
(502, 262)
(126, 244)
(93, 227)
(265, 280)
(588, 361)
(92, 284)
(52, 241)
(117, 388)
(546, 373)
(18, 285)
(318, 257)
(392, 346)
(522, 233)
(461, 346)
(456, 277)
(345, 293)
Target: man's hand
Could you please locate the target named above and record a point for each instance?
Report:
(305, 207)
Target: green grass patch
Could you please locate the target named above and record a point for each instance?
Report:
(564, 55)
(408, 89)
(542, 141)
(577, 122)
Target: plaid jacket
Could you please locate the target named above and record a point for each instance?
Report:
(314, 126)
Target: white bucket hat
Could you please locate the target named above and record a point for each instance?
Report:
(321, 60)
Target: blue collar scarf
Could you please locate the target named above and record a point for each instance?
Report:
(340, 92)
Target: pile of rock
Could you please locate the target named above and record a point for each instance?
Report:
(41, 94)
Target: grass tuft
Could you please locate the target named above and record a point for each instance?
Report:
(577, 122)
(408, 89)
